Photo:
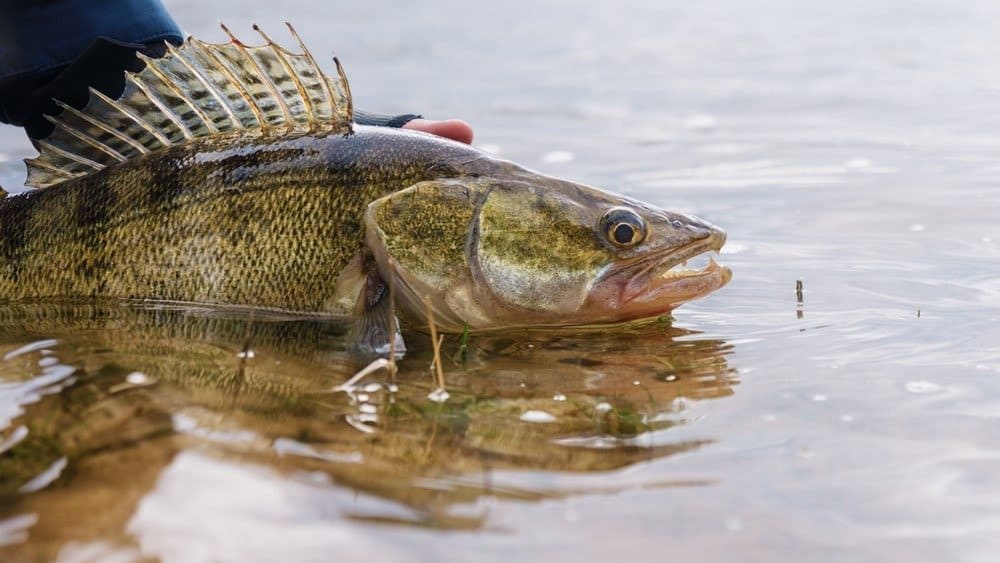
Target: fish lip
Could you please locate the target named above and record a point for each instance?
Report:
(640, 288)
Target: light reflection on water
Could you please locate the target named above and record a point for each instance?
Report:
(204, 407)
(850, 145)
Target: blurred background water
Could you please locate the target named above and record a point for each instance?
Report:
(851, 145)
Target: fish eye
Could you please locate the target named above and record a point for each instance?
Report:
(623, 227)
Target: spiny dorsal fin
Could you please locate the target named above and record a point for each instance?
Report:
(197, 90)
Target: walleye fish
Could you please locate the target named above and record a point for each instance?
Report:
(233, 175)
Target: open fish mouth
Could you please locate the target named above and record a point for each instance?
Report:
(685, 274)
(658, 283)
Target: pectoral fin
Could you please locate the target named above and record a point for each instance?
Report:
(376, 327)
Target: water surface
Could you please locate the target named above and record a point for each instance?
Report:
(850, 145)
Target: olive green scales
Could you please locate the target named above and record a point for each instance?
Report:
(234, 176)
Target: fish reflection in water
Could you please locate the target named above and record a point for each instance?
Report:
(119, 396)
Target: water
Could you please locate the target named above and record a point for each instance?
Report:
(850, 145)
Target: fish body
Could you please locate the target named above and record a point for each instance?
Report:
(282, 203)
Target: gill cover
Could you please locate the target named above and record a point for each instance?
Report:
(486, 254)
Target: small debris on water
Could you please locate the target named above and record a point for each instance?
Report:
(45, 478)
(537, 416)
(137, 378)
(798, 299)
(438, 395)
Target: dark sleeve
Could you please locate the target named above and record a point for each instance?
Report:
(382, 120)
(60, 48)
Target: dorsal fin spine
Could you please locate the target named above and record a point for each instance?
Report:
(257, 113)
(315, 65)
(237, 124)
(74, 157)
(138, 119)
(265, 80)
(173, 117)
(346, 85)
(52, 169)
(85, 138)
(97, 123)
(299, 86)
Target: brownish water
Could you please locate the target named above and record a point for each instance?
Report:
(851, 145)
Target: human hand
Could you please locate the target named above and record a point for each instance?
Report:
(454, 129)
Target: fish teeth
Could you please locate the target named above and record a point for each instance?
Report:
(691, 266)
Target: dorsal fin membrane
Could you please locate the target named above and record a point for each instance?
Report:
(197, 90)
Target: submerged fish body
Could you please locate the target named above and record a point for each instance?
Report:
(307, 213)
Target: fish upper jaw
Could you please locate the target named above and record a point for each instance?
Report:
(655, 284)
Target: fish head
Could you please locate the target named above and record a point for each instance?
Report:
(487, 254)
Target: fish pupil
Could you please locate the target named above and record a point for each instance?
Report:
(623, 233)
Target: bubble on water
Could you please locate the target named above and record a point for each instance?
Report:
(558, 157)
(537, 416)
(921, 387)
(137, 378)
(701, 122)
(363, 397)
(558, 397)
(917, 228)
(373, 388)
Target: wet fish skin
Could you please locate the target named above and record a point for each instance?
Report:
(261, 221)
